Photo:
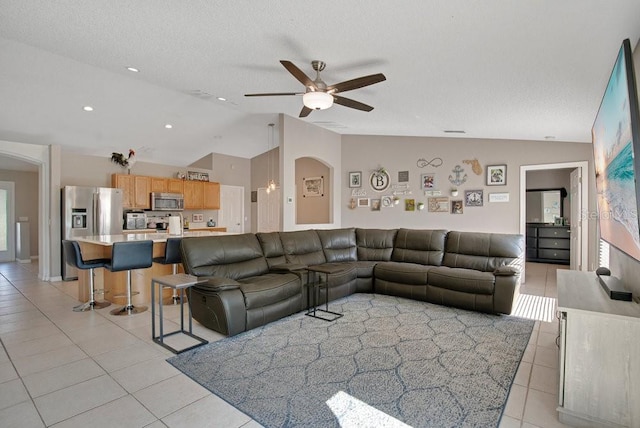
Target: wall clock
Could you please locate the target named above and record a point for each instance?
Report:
(379, 181)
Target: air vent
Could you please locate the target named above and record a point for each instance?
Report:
(454, 131)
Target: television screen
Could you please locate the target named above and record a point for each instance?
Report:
(616, 148)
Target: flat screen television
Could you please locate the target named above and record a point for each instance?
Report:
(616, 145)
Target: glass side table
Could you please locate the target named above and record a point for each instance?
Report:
(314, 284)
(180, 282)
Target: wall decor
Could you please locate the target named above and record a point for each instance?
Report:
(403, 176)
(197, 176)
(438, 205)
(409, 204)
(420, 206)
(475, 166)
(359, 192)
(428, 181)
(380, 180)
(355, 179)
(363, 202)
(496, 175)
(387, 201)
(352, 203)
(435, 162)
(458, 178)
(312, 187)
(433, 192)
(456, 207)
(498, 197)
(254, 196)
(473, 198)
(375, 204)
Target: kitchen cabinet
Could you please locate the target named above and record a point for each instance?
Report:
(175, 186)
(135, 190)
(547, 243)
(211, 195)
(159, 184)
(201, 195)
(599, 361)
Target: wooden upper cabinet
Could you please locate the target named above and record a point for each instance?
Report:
(159, 184)
(211, 199)
(193, 195)
(126, 184)
(135, 190)
(142, 192)
(175, 186)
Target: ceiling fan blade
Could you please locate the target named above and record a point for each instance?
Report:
(298, 74)
(305, 111)
(348, 102)
(273, 94)
(359, 82)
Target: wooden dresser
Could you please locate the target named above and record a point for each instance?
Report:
(548, 243)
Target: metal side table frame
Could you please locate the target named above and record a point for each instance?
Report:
(180, 282)
(314, 284)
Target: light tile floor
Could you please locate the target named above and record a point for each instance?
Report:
(67, 369)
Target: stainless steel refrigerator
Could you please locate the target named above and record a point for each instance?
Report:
(88, 211)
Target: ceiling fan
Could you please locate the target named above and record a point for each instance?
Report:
(318, 95)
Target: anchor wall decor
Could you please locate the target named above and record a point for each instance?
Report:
(459, 178)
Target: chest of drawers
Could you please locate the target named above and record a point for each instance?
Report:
(548, 243)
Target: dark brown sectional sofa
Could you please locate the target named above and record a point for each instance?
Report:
(253, 279)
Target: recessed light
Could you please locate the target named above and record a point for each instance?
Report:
(168, 126)
(133, 69)
(87, 108)
(222, 99)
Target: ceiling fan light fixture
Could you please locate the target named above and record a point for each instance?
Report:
(317, 100)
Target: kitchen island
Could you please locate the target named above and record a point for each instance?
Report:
(115, 283)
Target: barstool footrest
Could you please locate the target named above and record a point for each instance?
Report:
(89, 306)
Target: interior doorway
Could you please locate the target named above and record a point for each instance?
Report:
(231, 214)
(7, 222)
(580, 192)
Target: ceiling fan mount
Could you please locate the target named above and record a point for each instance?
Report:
(318, 95)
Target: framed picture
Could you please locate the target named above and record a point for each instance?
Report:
(363, 202)
(355, 179)
(312, 187)
(409, 204)
(428, 181)
(498, 197)
(456, 207)
(375, 204)
(438, 205)
(387, 201)
(496, 175)
(473, 198)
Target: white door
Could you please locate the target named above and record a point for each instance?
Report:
(7, 222)
(576, 220)
(268, 210)
(231, 214)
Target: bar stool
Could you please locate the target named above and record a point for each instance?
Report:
(73, 256)
(128, 256)
(172, 256)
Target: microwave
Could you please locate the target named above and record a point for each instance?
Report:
(167, 201)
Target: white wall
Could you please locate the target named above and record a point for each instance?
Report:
(301, 139)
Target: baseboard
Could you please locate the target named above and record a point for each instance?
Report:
(23, 260)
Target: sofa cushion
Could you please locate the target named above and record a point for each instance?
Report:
(231, 256)
(404, 273)
(302, 247)
(375, 244)
(424, 247)
(364, 268)
(271, 248)
(482, 251)
(463, 280)
(339, 245)
(269, 288)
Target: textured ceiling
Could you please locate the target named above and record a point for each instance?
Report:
(494, 68)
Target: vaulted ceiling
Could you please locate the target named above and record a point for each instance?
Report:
(494, 69)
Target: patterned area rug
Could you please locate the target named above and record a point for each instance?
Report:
(388, 362)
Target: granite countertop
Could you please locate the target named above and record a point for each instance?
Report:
(156, 237)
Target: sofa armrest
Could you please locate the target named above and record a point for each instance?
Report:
(506, 271)
(287, 267)
(217, 283)
(506, 292)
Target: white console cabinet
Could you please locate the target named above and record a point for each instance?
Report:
(599, 354)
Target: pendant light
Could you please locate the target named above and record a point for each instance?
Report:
(271, 184)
